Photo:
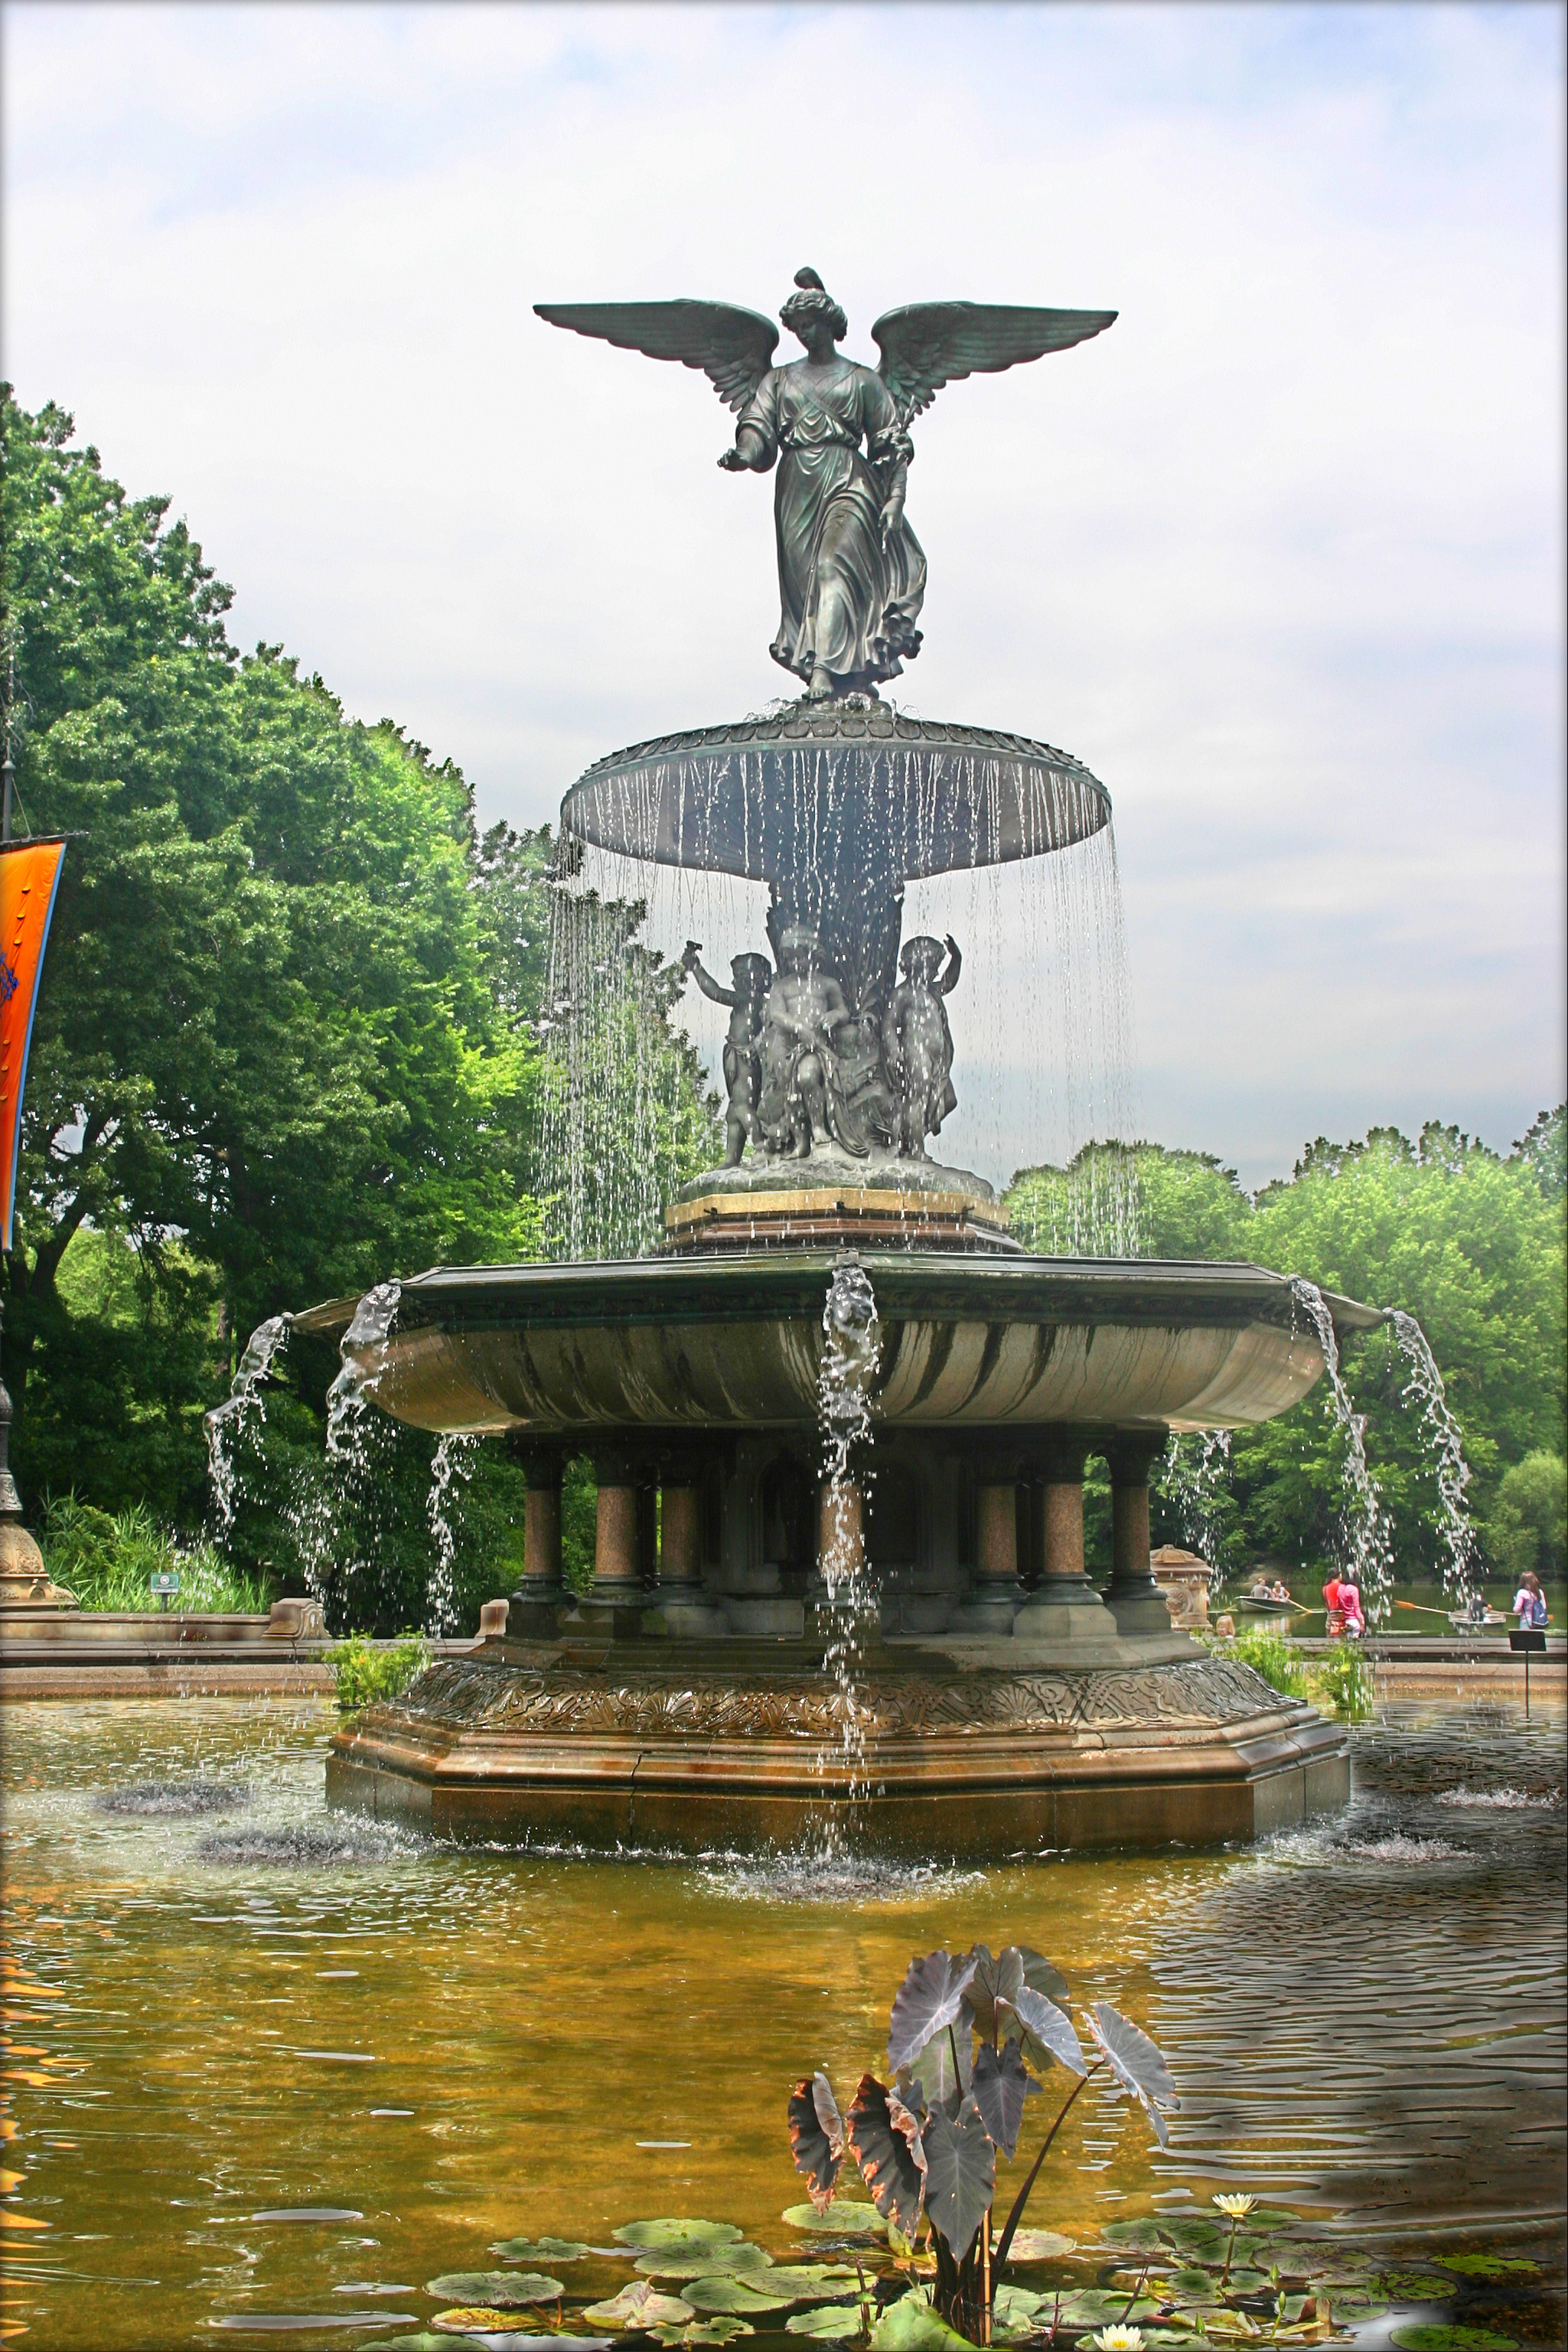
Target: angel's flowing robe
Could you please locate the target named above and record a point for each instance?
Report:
(849, 606)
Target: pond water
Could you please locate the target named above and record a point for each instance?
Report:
(248, 2091)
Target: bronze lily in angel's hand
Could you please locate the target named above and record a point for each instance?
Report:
(852, 575)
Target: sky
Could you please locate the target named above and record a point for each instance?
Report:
(1279, 557)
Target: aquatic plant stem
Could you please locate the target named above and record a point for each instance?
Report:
(1230, 2249)
(1137, 2290)
(1005, 2246)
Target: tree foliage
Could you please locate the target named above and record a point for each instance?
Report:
(1470, 1241)
(287, 1040)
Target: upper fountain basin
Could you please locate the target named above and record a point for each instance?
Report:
(593, 1351)
(836, 786)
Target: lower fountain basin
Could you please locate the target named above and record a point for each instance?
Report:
(735, 1342)
(960, 1755)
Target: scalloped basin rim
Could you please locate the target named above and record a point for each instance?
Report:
(1164, 1292)
(593, 1352)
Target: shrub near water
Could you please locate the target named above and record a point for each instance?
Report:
(366, 1674)
(109, 1562)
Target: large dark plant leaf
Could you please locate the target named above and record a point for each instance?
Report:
(1019, 1964)
(931, 1997)
(960, 2175)
(1045, 2032)
(1135, 2062)
(817, 2136)
(884, 2138)
(1001, 2084)
(940, 2075)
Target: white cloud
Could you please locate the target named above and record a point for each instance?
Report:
(1280, 556)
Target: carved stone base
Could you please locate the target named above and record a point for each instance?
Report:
(749, 1753)
(25, 1581)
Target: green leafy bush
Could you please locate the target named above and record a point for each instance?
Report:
(366, 1674)
(109, 1562)
(1345, 1680)
(1271, 1655)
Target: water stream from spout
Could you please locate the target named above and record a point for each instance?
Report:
(851, 1333)
(238, 1417)
(317, 1516)
(1364, 1530)
(1425, 1386)
(453, 1464)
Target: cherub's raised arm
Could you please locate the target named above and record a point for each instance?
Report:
(705, 980)
(949, 980)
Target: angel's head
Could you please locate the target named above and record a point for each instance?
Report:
(811, 310)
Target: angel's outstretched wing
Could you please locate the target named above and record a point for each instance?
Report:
(928, 344)
(733, 348)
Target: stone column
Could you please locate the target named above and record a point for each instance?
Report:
(1133, 1597)
(541, 1593)
(680, 1607)
(995, 1593)
(1064, 1609)
(615, 1565)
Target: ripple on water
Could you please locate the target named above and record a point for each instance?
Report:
(171, 1798)
(300, 1847)
(831, 1879)
(1544, 1801)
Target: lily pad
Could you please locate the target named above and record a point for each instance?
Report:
(1485, 2266)
(699, 2258)
(1096, 2306)
(421, 2342)
(910, 2325)
(734, 2291)
(1145, 2237)
(466, 2319)
(811, 2282)
(1420, 2335)
(846, 2217)
(828, 2322)
(540, 2250)
(1038, 2246)
(498, 2287)
(640, 2305)
(677, 2233)
(704, 2331)
(1414, 2286)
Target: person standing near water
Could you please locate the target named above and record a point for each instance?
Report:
(1530, 1601)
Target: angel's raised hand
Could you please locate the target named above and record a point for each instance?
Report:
(732, 462)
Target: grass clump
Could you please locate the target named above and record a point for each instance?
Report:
(109, 1560)
(366, 1672)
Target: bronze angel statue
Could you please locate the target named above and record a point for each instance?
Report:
(852, 576)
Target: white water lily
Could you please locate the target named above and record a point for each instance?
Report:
(1236, 2206)
(1118, 2339)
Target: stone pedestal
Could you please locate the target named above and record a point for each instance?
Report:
(1133, 1597)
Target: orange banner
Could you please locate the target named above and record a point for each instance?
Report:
(29, 878)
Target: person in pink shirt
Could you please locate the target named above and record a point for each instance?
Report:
(1349, 1605)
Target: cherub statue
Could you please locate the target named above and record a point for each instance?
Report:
(852, 576)
(918, 1042)
(802, 1091)
(747, 1001)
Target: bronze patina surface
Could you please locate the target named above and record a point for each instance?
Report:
(743, 1746)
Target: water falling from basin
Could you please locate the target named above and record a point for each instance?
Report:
(315, 1515)
(1363, 1529)
(851, 1333)
(1426, 1385)
(453, 1465)
(238, 1417)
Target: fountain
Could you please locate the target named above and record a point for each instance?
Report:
(772, 1651)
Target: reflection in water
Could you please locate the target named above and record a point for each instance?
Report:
(442, 2047)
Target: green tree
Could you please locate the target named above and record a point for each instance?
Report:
(1529, 1522)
